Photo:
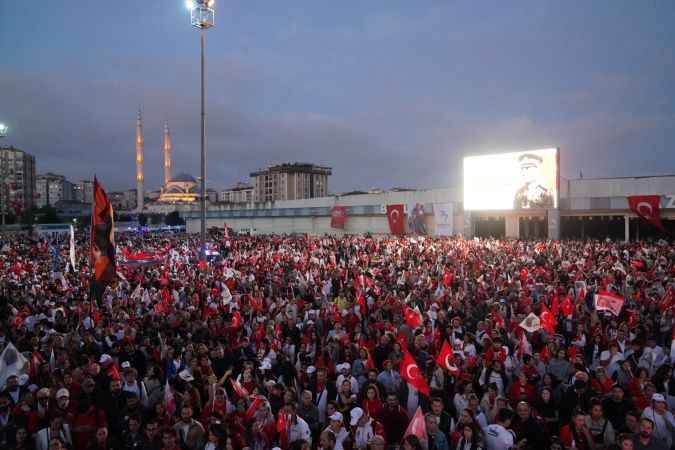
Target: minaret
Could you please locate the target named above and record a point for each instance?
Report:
(167, 154)
(139, 162)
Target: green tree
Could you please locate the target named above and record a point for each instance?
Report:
(173, 219)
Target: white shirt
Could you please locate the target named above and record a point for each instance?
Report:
(661, 423)
(339, 437)
(355, 384)
(299, 431)
(498, 438)
(363, 434)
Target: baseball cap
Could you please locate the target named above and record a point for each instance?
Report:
(658, 398)
(44, 392)
(311, 370)
(63, 392)
(105, 358)
(356, 415)
(266, 364)
(23, 379)
(337, 416)
(186, 376)
(126, 365)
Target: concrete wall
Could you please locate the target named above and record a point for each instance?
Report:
(367, 212)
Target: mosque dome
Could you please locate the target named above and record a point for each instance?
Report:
(183, 178)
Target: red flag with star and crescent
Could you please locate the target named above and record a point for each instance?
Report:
(417, 426)
(396, 219)
(648, 207)
(547, 320)
(411, 373)
(413, 317)
(446, 359)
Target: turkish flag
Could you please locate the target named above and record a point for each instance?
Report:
(396, 218)
(547, 319)
(257, 403)
(410, 372)
(555, 307)
(648, 207)
(282, 429)
(338, 217)
(446, 359)
(609, 301)
(239, 389)
(417, 426)
(370, 364)
(413, 317)
(447, 279)
(566, 306)
(363, 308)
(236, 319)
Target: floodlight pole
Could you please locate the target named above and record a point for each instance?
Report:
(202, 16)
(203, 149)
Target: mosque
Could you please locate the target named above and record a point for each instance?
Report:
(177, 189)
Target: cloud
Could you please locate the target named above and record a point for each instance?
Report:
(78, 125)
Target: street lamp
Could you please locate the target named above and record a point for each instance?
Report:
(202, 16)
(3, 130)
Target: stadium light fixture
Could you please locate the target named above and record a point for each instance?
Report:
(3, 130)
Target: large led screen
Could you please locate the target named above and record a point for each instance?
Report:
(506, 181)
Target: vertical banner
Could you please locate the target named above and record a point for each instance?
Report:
(468, 225)
(553, 222)
(416, 223)
(72, 248)
(443, 213)
(338, 217)
(396, 219)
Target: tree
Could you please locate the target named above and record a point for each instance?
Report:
(48, 214)
(173, 219)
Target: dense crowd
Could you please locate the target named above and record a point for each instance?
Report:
(301, 342)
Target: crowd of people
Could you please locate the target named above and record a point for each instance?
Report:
(351, 343)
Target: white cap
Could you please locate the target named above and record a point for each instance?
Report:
(311, 370)
(266, 364)
(337, 416)
(105, 358)
(23, 379)
(346, 366)
(185, 375)
(126, 365)
(356, 415)
(658, 398)
(63, 392)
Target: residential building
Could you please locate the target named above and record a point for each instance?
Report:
(131, 198)
(239, 193)
(117, 200)
(291, 181)
(83, 191)
(17, 179)
(52, 188)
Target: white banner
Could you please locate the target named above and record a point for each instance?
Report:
(443, 213)
(72, 248)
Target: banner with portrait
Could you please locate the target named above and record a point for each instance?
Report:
(443, 213)
(507, 181)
